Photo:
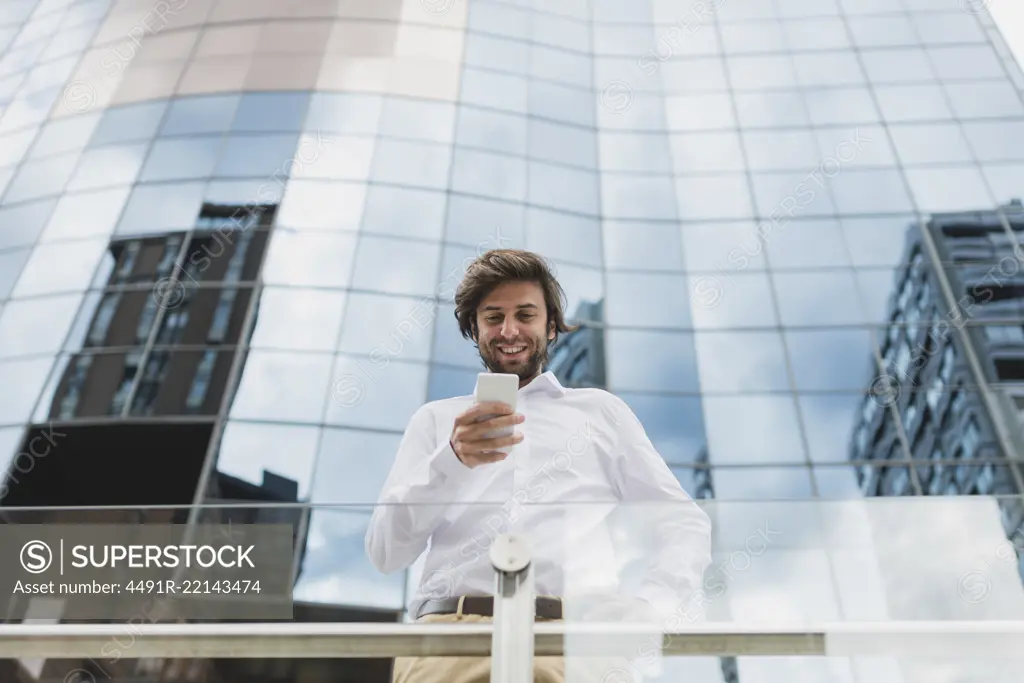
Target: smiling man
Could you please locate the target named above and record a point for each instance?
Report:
(456, 490)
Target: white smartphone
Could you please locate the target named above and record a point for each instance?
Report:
(503, 388)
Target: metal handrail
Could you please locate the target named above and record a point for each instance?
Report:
(375, 640)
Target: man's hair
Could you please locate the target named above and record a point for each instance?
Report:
(499, 266)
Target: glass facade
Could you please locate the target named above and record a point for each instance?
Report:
(236, 228)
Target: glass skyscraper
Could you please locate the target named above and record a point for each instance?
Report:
(231, 231)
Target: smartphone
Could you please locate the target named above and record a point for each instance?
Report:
(503, 388)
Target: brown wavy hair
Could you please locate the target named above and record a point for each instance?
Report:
(499, 266)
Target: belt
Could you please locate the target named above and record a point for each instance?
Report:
(546, 608)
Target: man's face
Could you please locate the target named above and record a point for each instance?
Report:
(513, 329)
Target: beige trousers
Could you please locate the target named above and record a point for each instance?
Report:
(478, 669)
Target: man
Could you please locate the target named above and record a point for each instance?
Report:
(574, 452)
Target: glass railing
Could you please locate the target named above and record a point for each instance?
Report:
(884, 590)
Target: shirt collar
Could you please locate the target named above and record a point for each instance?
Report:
(547, 382)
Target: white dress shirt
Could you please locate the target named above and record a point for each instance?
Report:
(584, 453)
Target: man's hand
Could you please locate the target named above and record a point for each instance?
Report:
(468, 440)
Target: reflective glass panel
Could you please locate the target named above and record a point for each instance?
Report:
(733, 362)
(353, 465)
(181, 159)
(396, 266)
(647, 300)
(129, 123)
(85, 215)
(335, 568)
(250, 451)
(293, 318)
(829, 421)
(818, 298)
(36, 326)
(309, 259)
(109, 165)
(647, 246)
(651, 361)
(63, 267)
(761, 483)
(674, 424)
(283, 386)
(382, 328)
(829, 360)
(770, 433)
(21, 224)
(192, 115)
(404, 211)
(322, 205)
(382, 397)
(564, 236)
(271, 112)
(493, 130)
(24, 381)
(730, 300)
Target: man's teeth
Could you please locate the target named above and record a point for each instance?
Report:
(511, 350)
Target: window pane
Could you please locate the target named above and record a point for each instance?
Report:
(840, 105)
(770, 433)
(404, 211)
(637, 197)
(336, 569)
(828, 360)
(181, 383)
(804, 244)
(719, 197)
(21, 224)
(651, 361)
(818, 298)
(161, 208)
(450, 347)
(733, 362)
(36, 326)
(64, 267)
(252, 451)
(271, 112)
(294, 318)
(11, 263)
(65, 135)
(647, 300)
(381, 328)
(24, 380)
(418, 164)
(353, 466)
(265, 156)
(181, 159)
(417, 120)
(563, 188)
(674, 425)
(108, 166)
(567, 144)
(564, 237)
(930, 144)
(128, 124)
(282, 386)
(492, 130)
(732, 300)
(913, 102)
(648, 246)
(322, 205)
(85, 215)
(714, 247)
(396, 266)
(948, 189)
(761, 483)
(192, 115)
(829, 420)
(489, 174)
(379, 397)
(309, 259)
(36, 179)
(484, 223)
(345, 113)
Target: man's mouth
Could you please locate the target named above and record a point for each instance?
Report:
(511, 351)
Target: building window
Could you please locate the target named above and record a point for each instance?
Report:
(971, 438)
(201, 382)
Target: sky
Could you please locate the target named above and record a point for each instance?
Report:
(1009, 15)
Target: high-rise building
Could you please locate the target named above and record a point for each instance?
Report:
(230, 234)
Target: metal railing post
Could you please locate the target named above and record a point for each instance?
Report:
(514, 611)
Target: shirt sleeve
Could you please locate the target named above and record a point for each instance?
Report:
(423, 481)
(681, 551)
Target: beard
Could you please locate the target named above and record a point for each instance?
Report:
(535, 361)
